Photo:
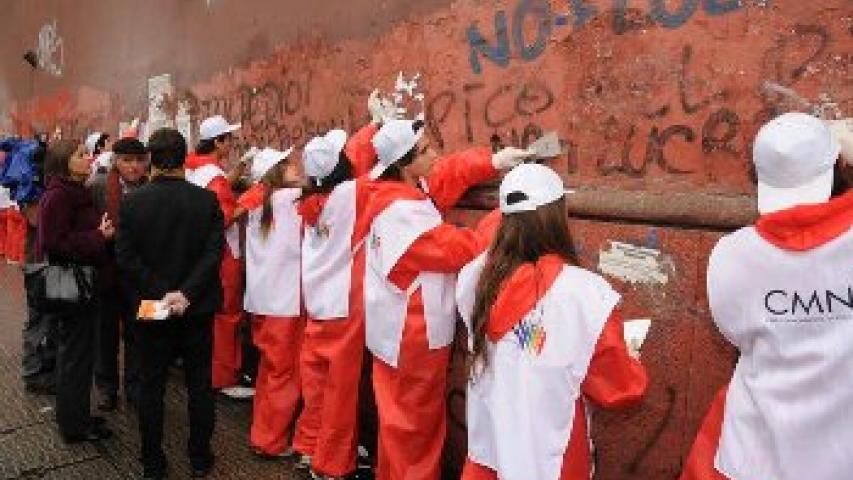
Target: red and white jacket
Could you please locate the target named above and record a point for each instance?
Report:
(205, 171)
(329, 244)
(412, 256)
(336, 224)
(782, 293)
(554, 337)
(272, 259)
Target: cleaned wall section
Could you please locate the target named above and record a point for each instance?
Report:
(655, 100)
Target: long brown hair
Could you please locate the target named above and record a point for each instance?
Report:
(58, 155)
(273, 180)
(522, 237)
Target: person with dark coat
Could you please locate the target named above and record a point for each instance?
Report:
(168, 248)
(72, 232)
(128, 172)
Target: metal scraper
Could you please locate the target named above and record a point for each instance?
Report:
(547, 146)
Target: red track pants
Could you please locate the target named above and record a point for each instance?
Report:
(411, 404)
(327, 429)
(16, 235)
(277, 390)
(4, 220)
(227, 349)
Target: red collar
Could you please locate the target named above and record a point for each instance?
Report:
(195, 160)
(310, 208)
(807, 226)
(520, 293)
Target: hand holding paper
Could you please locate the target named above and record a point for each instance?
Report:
(152, 310)
(176, 302)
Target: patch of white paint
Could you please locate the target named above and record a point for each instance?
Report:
(50, 51)
(633, 264)
(635, 333)
(160, 89)
(408, 95)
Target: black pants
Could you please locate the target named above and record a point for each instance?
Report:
(192, 338)
(74, 363)
(116, 322)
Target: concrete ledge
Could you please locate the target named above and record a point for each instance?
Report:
(694, 209)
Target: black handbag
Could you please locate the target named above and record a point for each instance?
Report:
(66, 287)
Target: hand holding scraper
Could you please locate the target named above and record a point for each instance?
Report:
(546, 147)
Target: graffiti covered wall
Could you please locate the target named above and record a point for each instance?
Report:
(655, 101)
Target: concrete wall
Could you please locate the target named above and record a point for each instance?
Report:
(656, 101)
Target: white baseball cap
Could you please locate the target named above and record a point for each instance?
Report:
(215, 126)
(794, 156)
(92, 141)
(536, 185)
(393, 141)
(321, 155)
(265, 160)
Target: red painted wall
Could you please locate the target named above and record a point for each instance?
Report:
(656, 101)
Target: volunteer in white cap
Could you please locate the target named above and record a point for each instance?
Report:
(332, 205)
(545, 336)
(204, 168)
(273, 244)
(780, 291)
(99, 150)
(411, 258)
(96, 143)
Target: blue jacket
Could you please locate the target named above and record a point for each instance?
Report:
(19, 172)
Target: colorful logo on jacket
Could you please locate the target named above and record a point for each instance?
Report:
(531, 337)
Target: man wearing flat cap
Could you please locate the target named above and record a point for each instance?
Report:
(129, 171)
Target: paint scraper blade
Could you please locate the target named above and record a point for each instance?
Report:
(547, 146)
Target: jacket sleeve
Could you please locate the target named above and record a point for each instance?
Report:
(252, 198)
(452, 175)
(147, 284)
(614, 379)
(359, 149)
(444, 249)
(59, 240)
(225, 197)
(206, 270)
(487, 228)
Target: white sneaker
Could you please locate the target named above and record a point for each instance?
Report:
(317, 476)
(238, 393)
(303, 462)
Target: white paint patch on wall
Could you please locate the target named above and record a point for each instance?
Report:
(408, 95)
(634, 264)
(635, 332)
(160, 90)
(50, 50)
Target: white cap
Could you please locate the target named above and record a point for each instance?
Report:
(104, 160)
(794, 156)
(92, 141)
(321, 155)
(393, 141)
(265, 160)
(538, 184)
(215, 126)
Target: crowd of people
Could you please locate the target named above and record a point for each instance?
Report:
(347, 270)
